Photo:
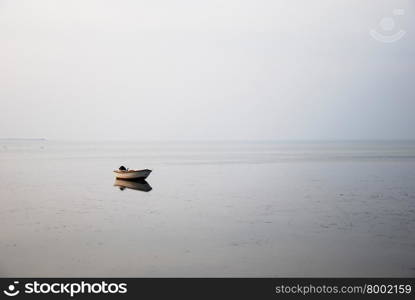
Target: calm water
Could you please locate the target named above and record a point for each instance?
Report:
(215, 209)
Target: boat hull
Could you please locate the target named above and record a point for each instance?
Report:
(132, 174)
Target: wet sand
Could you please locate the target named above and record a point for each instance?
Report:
(215, 209)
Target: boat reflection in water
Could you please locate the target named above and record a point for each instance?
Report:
(138, 184)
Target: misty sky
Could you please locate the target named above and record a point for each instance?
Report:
(182, 70)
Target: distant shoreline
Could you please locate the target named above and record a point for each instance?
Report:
(22, 139)
(283, 141)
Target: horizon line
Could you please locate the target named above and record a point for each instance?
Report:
(218, 140)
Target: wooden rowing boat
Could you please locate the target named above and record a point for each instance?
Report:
(132, 174)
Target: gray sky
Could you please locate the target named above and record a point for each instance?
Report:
(180, 70)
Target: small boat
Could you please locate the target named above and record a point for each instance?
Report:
(132, 174)
(137, 184)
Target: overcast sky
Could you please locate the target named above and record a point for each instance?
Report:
(183, 70)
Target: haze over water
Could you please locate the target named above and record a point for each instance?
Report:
(215, 209)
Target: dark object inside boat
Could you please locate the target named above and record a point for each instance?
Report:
(122, 168)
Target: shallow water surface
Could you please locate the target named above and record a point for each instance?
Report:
(212, 209)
